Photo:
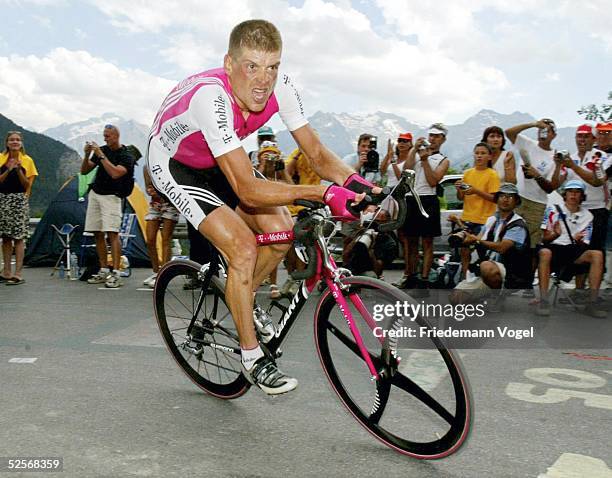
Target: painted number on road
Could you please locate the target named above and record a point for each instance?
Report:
(561, 377)
(571, 465)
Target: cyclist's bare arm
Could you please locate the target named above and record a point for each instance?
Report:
(325, 163)
(255, 192)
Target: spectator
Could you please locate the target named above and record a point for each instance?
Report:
(567, 233)
(604, 143)
(396, 157)
(358, 161)
(589, 165)
(430, 166)
(265, 133)
(371, 250)
(114, 180)
(162, 217)
(272, 166)
(477, 191)
(17, 174)
(502, 161)
(537, 177)
(503, 249)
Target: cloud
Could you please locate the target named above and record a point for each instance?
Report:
(552, 77)
(330, 48)
(67, 86)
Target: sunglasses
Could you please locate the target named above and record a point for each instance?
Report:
(402, 140)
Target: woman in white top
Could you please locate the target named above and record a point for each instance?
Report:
(502, 161)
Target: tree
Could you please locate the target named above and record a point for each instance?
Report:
(594, 113)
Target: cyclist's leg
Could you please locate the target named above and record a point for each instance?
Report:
(236, 242)
(260, 220)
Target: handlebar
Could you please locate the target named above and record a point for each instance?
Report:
(316, 226)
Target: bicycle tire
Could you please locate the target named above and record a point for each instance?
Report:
(438, 391)
(204, 356)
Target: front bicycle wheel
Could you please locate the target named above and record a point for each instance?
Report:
(420, 406)
(210, 354)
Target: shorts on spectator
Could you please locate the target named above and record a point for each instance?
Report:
(477, 285)
(563, 258)
(103, 213)
(532, 212)
(162, 210)
(417, 225)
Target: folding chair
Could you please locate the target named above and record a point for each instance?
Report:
(65, 235)
(566, 275)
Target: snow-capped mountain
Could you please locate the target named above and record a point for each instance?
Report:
(76, 134)
(339, 131)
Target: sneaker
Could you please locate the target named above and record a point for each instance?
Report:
(263, 324)
(99, 278)
(150, 281)
(113, 280)
(267, 376)
(274, 292)
(596, 309)
(543, 308)
(406, 282)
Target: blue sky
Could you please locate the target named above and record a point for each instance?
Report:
(64, 61)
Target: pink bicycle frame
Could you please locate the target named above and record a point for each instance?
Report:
(287, 237)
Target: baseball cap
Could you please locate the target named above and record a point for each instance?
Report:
(438, 128)
(407, 136)
(574, 184)
(585, 129)
(508, 188)
(604, 126)
(265, 131)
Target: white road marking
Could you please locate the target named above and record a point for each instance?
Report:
(572, 465)
(579, 378)
(524, 392)
(23, 360)
(148, 289)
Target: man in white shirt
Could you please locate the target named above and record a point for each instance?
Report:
(567, 231)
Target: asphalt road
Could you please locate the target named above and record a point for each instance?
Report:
(101, 391)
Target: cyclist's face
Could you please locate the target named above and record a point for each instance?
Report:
(253, 77)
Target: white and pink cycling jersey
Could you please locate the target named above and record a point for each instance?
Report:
(200, 120)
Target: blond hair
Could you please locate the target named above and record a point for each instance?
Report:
(8, 135)
(259, 35)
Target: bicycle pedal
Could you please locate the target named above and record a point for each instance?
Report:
(278, 353)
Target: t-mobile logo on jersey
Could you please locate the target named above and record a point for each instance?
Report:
(180, 202)
(222, 119)
(171, 133)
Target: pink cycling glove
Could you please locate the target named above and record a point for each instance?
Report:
(358, 184)
(337, 197)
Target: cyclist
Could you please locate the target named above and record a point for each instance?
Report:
(196, 159)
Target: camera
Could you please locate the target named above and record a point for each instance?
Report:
(373, 158)
(424, 145)
(456, 238)
(562, 155)
(465, 186)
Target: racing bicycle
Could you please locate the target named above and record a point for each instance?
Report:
(410, 394)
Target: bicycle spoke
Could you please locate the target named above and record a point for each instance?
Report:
(352, 346)
(403, 382)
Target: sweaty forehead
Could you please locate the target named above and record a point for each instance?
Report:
(259, 56)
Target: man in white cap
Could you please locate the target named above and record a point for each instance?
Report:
(567, 230)
(430, 166)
